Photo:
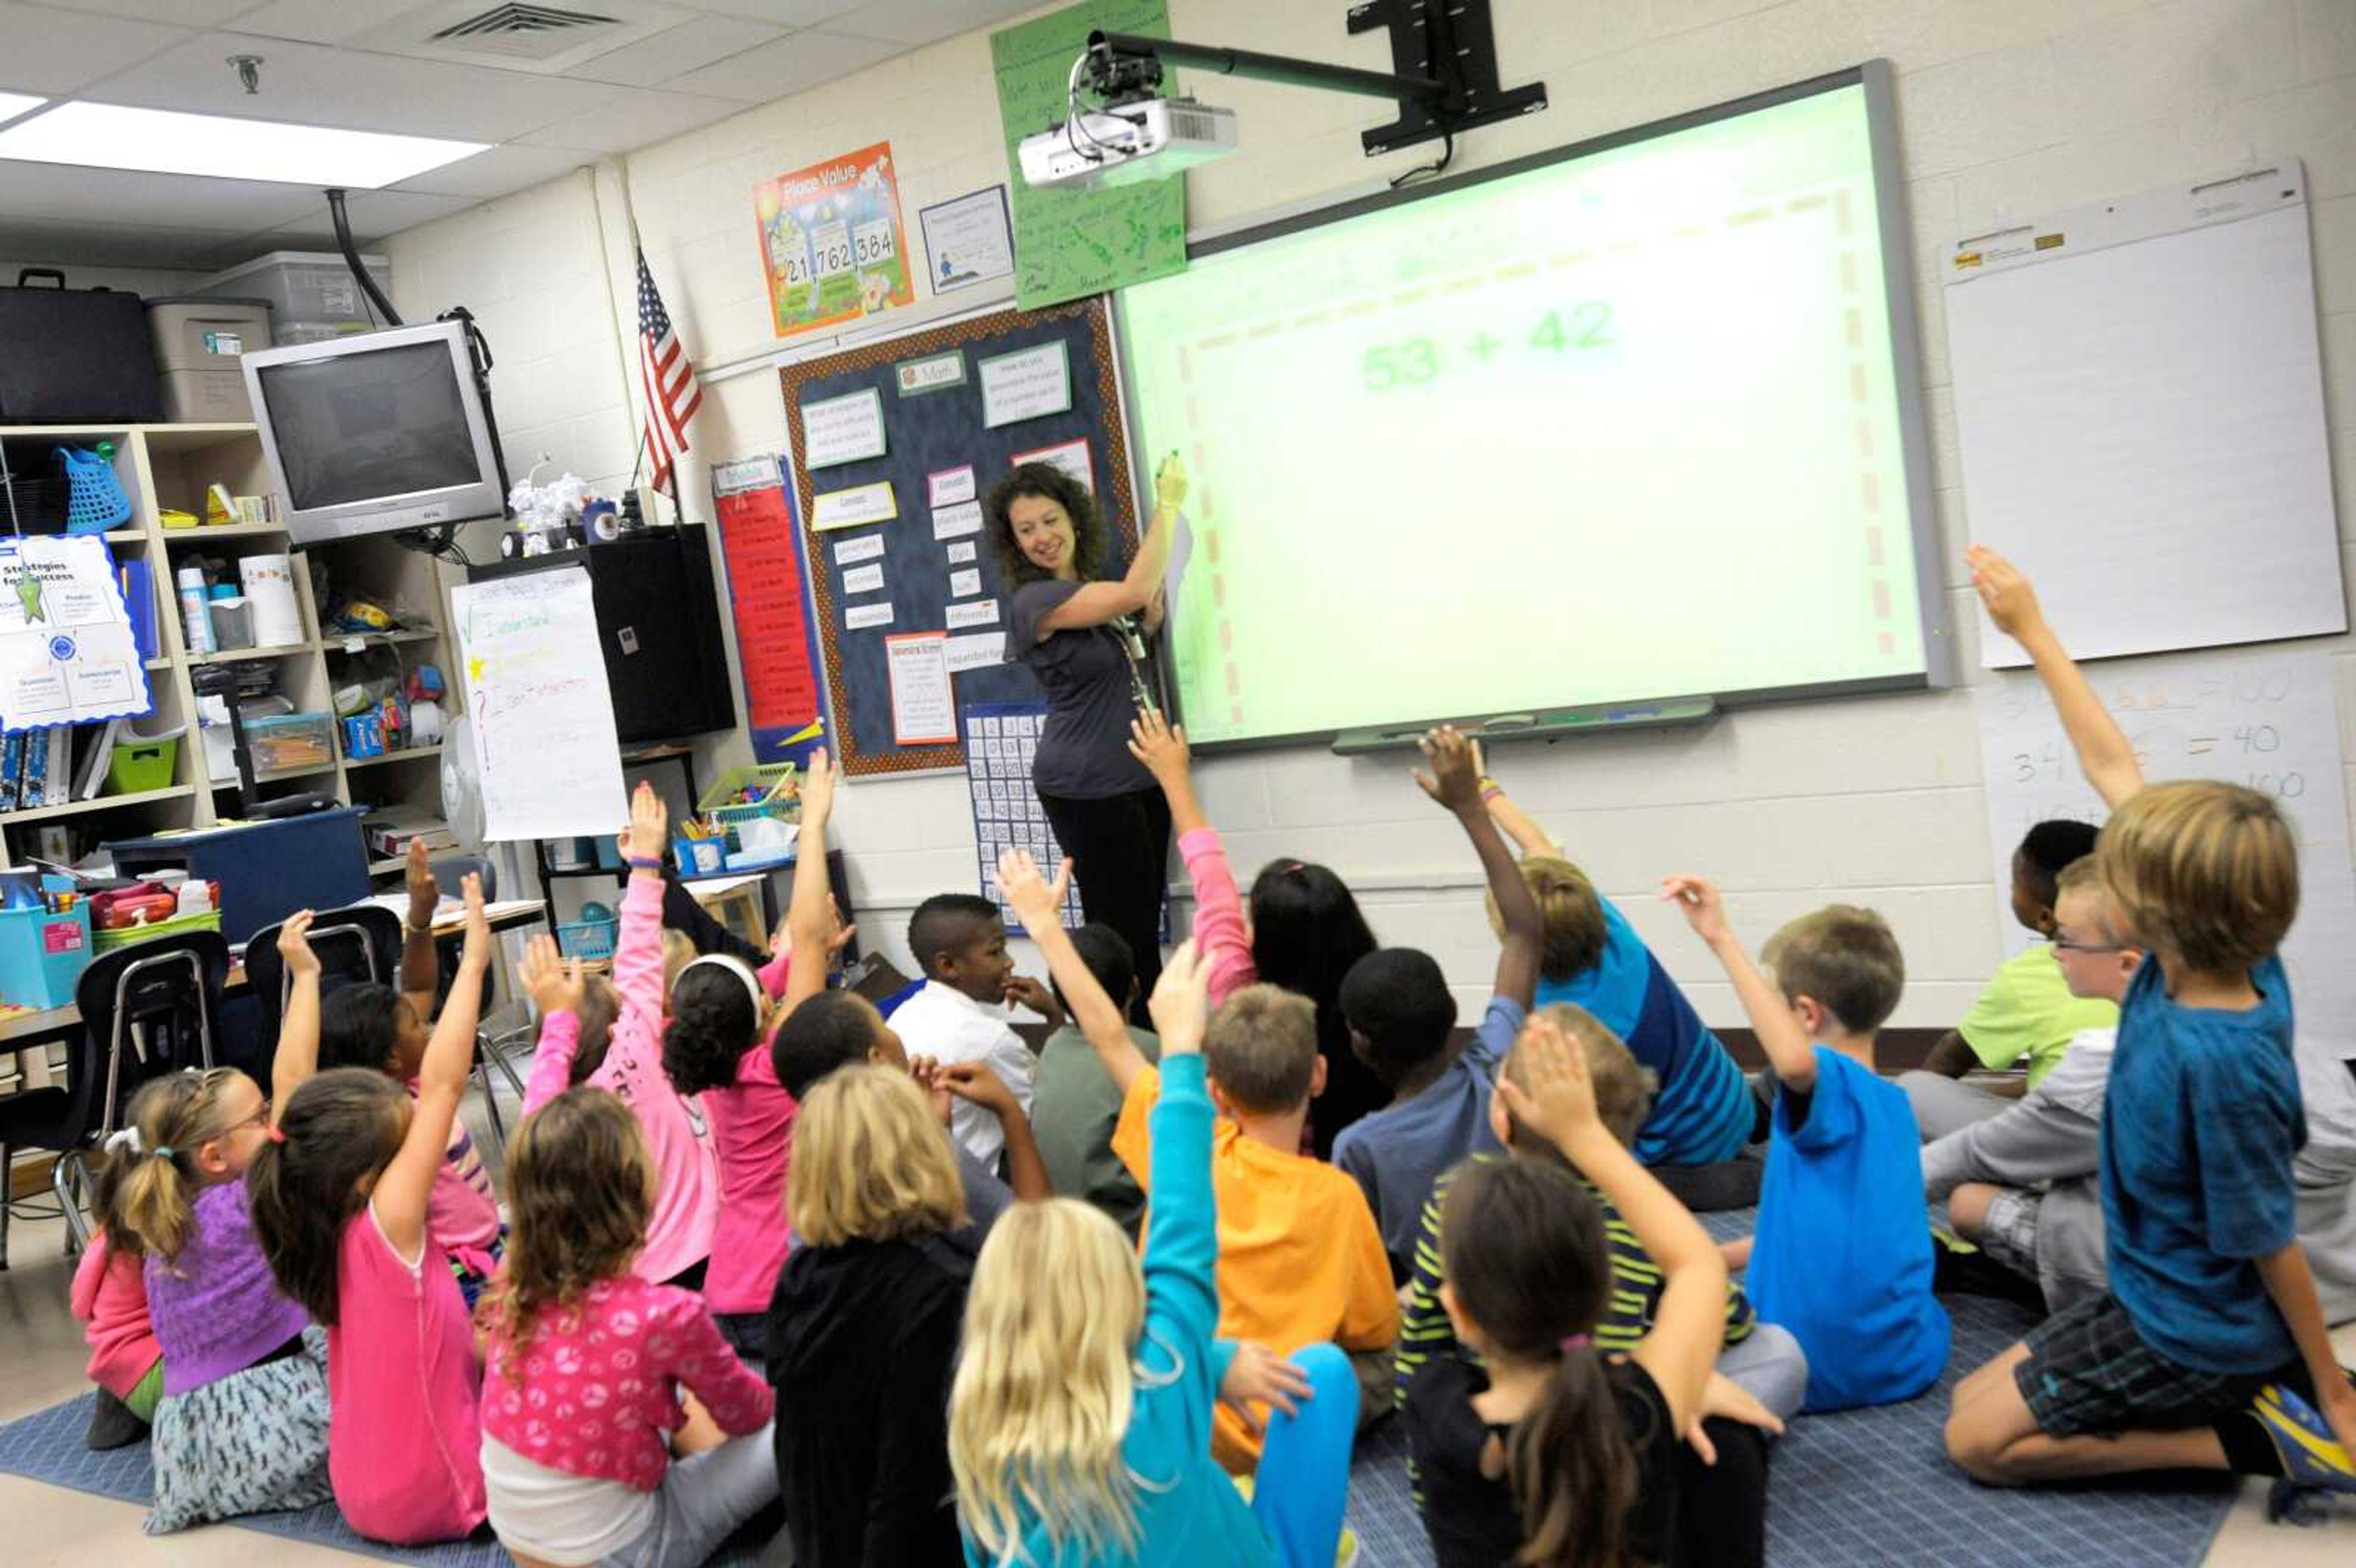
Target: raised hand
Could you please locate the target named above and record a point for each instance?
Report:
(1704, 907)
(1557, 1098)
(1455, 777)
(650, 824)
(1163, 749)
(1180, 1003)
(2011, 602)
(1036, 902)
(1257, 1376)
(417, 877)
(477, 948)
(553, 982)
(817, 789)
(1170, 486)
(295, 945)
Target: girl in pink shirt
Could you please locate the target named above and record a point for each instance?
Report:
(341, 1193)
(618, 1426)
(717, 1046)
(110, 1302)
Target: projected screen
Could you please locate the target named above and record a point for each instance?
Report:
(1622, 425)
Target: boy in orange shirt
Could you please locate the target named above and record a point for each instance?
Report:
(1299, 1259)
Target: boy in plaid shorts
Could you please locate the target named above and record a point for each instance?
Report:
(2210, 1304)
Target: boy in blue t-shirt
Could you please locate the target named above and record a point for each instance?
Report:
(1842, 1255)
(2212, 1309)
(1401, 1015)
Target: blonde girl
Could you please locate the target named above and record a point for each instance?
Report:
(241, 1425)
(1080, 1419)
(590, 1451)
(863, 1328)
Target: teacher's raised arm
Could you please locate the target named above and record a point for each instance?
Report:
(1085, 642)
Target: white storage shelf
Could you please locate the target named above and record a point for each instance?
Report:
(170, 466)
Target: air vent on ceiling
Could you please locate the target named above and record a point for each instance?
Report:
(520, 32)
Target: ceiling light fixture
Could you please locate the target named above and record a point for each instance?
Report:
(15, 103)
(160, 141)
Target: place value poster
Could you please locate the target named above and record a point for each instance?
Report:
(833, 248)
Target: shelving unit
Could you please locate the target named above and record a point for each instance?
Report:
(165, 467)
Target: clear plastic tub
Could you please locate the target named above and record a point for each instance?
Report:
(301, 286)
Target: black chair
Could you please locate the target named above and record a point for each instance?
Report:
(148, 1010)
(357, 945)
(493, 1048)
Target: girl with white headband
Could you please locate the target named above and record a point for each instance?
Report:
(716, 1046)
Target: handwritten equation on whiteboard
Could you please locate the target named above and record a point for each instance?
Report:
(2261, 718)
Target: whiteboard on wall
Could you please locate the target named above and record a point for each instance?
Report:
(2139, 402)
(2259, 717)
(546, 755)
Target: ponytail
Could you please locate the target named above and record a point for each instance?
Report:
(1525, 1253)
(339, 1129)
(1573, 1473)
(147, 1185)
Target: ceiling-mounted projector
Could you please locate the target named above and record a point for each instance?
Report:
(1126, 143)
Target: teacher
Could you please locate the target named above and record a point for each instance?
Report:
(1086, 643)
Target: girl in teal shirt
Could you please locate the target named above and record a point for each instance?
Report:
(1080, 1419)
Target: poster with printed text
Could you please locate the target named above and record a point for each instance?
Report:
(832, 246)
(68, 654)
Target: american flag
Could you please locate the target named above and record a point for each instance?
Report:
(672, 392)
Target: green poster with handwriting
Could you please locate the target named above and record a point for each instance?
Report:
(1072, 243)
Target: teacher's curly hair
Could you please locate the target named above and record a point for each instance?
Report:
(1091, 538)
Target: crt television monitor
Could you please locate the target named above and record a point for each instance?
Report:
(375, 432)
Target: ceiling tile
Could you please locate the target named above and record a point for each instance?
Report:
(793, 63)
(56, 52)
(496, 172)
(374, 214)
(627, 117)
(924, 21)
(71, 245)
(181, 12)
(36, 193)
(695, 43)
(782, 12)
(324, 21)
(321, 86)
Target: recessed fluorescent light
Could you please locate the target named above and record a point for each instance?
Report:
(15, 103)
(111, 136)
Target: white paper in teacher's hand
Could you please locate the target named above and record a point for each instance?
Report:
(547, 757)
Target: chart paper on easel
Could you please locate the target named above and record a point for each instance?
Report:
(545, 747)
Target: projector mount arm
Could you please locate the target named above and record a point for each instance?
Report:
(1123, 68)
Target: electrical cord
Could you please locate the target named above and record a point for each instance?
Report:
(1073, 115)
(1433, 170)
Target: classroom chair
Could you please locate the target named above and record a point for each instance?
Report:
(361, 944)
(148, 1010)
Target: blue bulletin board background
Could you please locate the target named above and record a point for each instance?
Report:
(926, 431)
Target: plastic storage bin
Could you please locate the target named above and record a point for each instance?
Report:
(300, 285)
(143, 763)
(178, 925)
(200, 344)
(587, 939)
(293, 334)
(43, 953)
(771, 789)
(292, 741)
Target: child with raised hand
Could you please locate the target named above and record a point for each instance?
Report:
(1704, 1115)
(716, 1046)
(1303, 931)
(1550, 1453)
(1401, 1015)
(340, 1194)
(2210, 1302)
(110, 1301)
(960, 1014)
(1079, 1421)
(618, 1426)
(241, 1426)
(863, 1328)
(385, 1028)
(1842, 1254)
(1300, 1260)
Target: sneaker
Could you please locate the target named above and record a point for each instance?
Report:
(2310, 1456)
(113, 1424)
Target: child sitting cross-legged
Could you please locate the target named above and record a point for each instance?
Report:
(960, 1015)
(341, 1190)
(110, 1301)
(1080, 1414)
(2210, 1302)
(618, 1426)
(1401, 1015)
(1705, 1125)
(1299, 1259)
(1552, 1451)
(1842, 1254)
(1763, 1358)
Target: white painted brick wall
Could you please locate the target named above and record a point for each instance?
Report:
(2007, 106)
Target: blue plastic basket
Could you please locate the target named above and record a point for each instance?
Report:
(95, 501)
(587, 938)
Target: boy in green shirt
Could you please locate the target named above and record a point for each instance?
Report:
(1074, 1104)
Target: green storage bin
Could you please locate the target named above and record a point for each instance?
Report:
(179, 924)
(140, 764)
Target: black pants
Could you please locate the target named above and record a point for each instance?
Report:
(1120, 857)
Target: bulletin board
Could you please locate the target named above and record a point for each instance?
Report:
(894, 445)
